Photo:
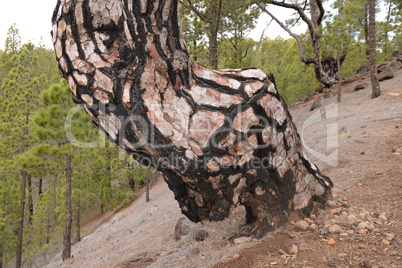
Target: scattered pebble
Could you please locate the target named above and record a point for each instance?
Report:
(352, 219)
(362, 225)
(331, 241)
(294, 250)
(241, 240)
(309, 221)
(344, 216)
(335, 229)
(385, 242)
(362, 231)
(390, 237)
(312, 227)
(301, 226)
(331, 204)
(383, 217)
(342, 254)
(236, 256)
(336, 210)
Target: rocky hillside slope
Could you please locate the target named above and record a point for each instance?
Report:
(358, 143)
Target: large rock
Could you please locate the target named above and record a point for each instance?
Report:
(395, 65)
(397, 53)
(364, 70)
(382, 67)
(385, 75)
(350, 79)
(316, 104)
(361, 86)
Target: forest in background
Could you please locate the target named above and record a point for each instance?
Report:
(39, 164)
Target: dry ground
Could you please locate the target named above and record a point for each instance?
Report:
(366, 168)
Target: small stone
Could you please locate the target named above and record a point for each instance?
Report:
(383, 217)
(331, 241)
(344, 216)
(367, 264)
(313, 217)
(344, 234)
(312, 227)
(362, 216)
(301, 226)
(336, 210)
(294, 250)
(369, 218)
(342, 255)
(371, 226)
(255, 240)
(344, 198)
(201, 235)
(182, 228)
(335, 229)
(331, 204)
(390, 237)
(362, 225)
(241, 240)
(236, 256)
(309, 221)
(362, 231)
(352, 219)
(385, 242)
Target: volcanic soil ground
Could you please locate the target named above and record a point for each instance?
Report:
(357, 143)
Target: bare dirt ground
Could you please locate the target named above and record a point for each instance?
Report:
(357, 143)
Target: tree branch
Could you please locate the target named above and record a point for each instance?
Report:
(295, 36)
(297, 8)
(201, 15)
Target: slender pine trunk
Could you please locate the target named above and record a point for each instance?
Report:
(338, 62)
(147, 186)
(30, 200)
(1, 255)
(78, 221)
(18, 261)
(375, 84)
(40, 190)
(67, 227)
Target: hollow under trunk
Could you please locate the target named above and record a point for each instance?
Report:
(221, 138)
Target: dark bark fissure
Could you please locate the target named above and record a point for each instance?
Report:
(205, 130)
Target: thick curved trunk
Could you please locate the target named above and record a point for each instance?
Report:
(221, 138)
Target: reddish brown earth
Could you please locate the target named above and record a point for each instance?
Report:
(366, 171)
(368, 176)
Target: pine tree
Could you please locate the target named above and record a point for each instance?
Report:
(20, 90)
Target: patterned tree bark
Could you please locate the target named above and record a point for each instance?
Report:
(221, 138)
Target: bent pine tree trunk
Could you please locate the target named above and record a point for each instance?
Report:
(221, 138)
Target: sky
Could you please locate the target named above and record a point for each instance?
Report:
(32, 17)
(33, 20)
